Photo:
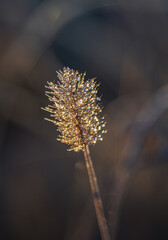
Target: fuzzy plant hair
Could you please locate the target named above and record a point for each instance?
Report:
(75, 109)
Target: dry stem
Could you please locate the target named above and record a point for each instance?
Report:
(96, 196)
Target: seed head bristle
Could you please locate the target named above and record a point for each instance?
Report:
(75, 109)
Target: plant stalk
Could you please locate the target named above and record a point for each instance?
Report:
(96, 196)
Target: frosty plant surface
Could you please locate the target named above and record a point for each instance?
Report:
(75, 109)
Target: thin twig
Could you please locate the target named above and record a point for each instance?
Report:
(96, 196)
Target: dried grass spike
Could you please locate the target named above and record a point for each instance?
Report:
(75, 109)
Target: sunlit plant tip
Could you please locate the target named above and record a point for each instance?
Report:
(75, 109)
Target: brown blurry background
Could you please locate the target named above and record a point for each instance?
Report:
(45, 193)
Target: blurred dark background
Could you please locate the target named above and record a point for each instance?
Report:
(45, 193)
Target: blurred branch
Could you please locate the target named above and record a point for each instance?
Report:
(145, 120)
(38, 33)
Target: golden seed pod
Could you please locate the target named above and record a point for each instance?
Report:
(75, 109)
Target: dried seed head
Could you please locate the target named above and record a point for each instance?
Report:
(75, 109)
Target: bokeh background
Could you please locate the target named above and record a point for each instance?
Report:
(45, 192)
